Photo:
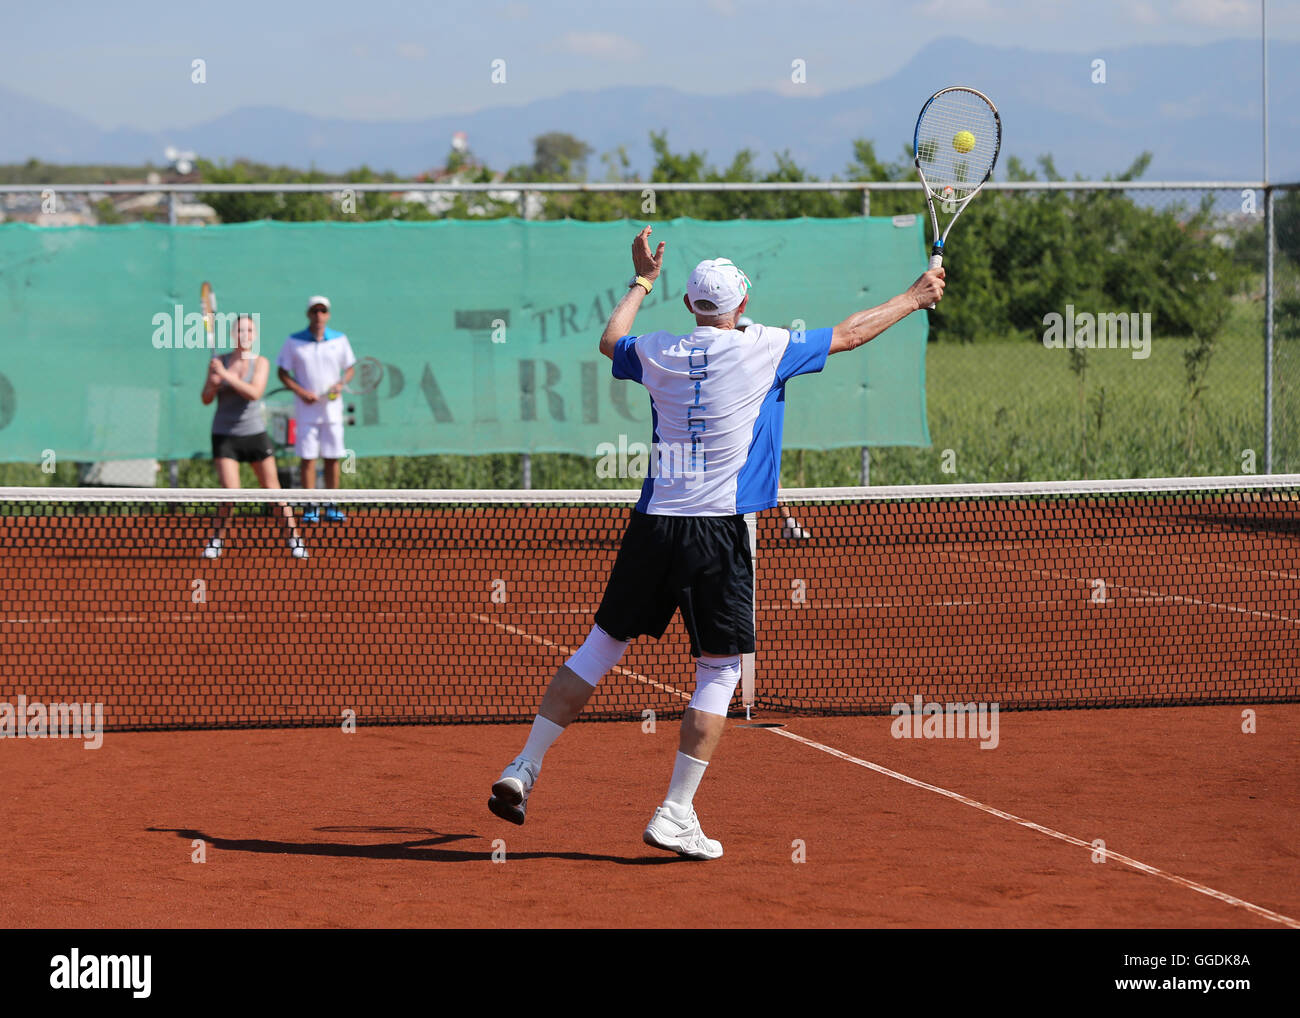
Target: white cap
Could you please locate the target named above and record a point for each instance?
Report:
(719, 281)
(318, 299)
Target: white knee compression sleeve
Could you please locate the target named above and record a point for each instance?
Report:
(715, 681)
(598, 654)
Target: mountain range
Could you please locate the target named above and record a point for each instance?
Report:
(1196, 108)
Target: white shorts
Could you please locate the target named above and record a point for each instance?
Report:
(320, 440)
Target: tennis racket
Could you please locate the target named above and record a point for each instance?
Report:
(280, 405)
(366, 378)
(958, 136)
(369, 373)
(208, 301)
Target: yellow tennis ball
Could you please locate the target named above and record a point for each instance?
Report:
(334, 395)
(963, 141)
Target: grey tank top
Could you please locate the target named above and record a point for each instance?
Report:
(236, 415)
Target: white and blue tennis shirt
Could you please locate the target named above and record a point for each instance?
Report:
(316, 366)
(717, 400)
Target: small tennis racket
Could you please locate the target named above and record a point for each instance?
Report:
(369, 373)
(280, 406)
(208, 301)
(366, 378)
(957, 140)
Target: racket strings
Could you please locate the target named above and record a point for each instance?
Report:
(952, 121)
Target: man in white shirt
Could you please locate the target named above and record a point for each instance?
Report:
(316, 363)
(717, 397)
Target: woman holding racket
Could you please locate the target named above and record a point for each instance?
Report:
(236, 382)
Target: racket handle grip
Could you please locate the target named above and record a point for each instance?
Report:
(936, 261)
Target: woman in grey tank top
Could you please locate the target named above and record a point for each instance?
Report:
(236, 382)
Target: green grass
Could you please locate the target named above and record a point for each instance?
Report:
(1016, 412)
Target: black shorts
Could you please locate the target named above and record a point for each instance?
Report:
(242, 448)
(700, 564)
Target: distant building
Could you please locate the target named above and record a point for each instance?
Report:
(153, 205)
(439, 202)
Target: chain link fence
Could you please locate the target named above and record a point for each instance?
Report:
(1091, 329)
(1283, 300)
(1108, 333)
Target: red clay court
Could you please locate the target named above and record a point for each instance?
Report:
(1167, 615)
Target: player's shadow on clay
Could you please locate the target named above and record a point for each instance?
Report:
(423, 849)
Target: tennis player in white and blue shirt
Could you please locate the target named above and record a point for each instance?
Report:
(717, 397)
(316, 363)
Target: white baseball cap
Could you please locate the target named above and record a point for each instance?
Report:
(318, 299)
(719, 281)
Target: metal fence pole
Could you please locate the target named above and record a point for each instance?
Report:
(173, 468)
(1269, 296)
(526, 459)
(864, 474)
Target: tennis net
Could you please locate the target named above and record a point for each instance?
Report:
(455, 606)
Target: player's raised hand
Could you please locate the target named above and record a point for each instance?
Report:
(645, 263)
(928, 289)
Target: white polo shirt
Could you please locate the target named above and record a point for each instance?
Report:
(316, 365)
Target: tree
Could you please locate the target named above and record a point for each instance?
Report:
(559, 156)
(362, 206)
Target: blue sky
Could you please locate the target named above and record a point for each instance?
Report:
(128, 63)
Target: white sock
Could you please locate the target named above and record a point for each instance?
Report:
(540, 738)
(687, 772)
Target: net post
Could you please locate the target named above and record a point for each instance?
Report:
(866, 202)
(747, 660)
(864, 472)
(526, 470)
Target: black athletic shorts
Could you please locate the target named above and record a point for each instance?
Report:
(242, 448)
(700, 564)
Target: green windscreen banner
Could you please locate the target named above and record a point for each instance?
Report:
(487, 331)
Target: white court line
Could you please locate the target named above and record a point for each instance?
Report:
(1141, 867)
(516, 631)
(1222, 567)
(1134, 551)
(1134, 595)
(1150, 594)
(1137, 595)
(199, 615)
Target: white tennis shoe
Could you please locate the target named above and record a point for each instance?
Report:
(793, 532)
(510, 794)
(684, 837)
(297, 549)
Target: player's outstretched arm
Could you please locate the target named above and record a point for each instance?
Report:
(865, 326)
(643, 264)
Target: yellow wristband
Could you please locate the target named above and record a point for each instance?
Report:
(642, 281)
